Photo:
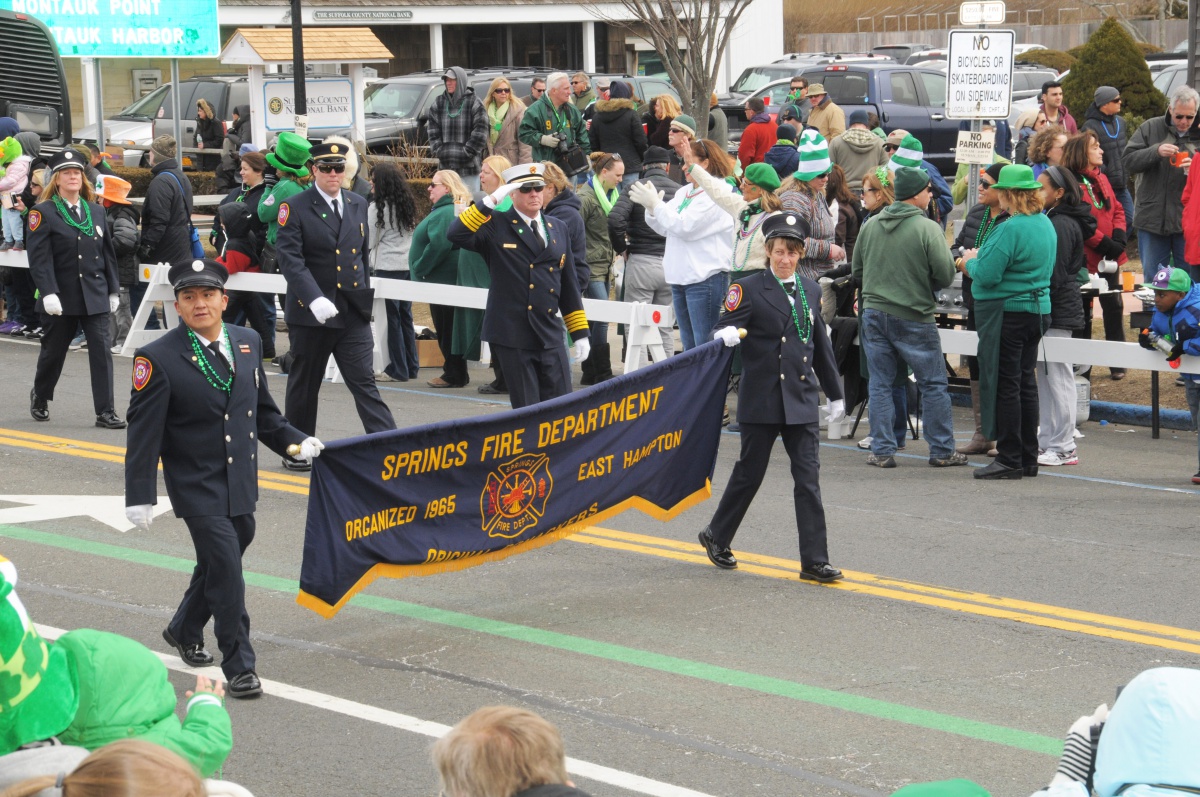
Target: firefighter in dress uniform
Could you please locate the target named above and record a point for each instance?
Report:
(74, 268)
(533, 279)
(322, 250)
(200, 403)
(785, 354)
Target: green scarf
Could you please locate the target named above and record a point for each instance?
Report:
(606, 202)
(496, 114)
(785, 141)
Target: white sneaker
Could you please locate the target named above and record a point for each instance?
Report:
(865, 443)
(1054, 458)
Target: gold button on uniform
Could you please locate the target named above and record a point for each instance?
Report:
(339, 268)
(337, 251)
(339, 284)
(530, 307)
(801, 377)
(531, 286)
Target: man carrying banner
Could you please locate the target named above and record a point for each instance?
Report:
(200, 402)
(785, 354)
(530, 259)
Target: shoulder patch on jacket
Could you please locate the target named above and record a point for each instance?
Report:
(142, 369)
(733, 299)
(35, 220)
(285, 210)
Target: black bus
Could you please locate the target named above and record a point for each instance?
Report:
(33, 87)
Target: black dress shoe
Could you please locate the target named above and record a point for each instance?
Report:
(297, 464)
(244, 685)
(821, 571)
(996, 470)
(194, 655)
(109, 420)
(721, 557)
(1030, 471)
(38, 407)
(490, 389)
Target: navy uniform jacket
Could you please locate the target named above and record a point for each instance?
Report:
(779, 373)
(208, 441)
(320, 258)
(531, 282)
(80, 270)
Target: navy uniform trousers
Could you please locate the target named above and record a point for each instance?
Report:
(778, 397)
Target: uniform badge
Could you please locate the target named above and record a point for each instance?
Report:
(515, 496)
(269, 201)
(284, 212)
(35, 220)
(734, 298)
(244, 348)
(142, 368)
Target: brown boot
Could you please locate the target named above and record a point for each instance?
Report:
(978, 444)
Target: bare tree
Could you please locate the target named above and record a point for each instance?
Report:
(705, 25)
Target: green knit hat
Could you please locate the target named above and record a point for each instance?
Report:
(38, 692)
(685, 123)
(291, 154)
(763, 175)
(910, 154)
(814, 156)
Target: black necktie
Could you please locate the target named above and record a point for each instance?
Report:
(220, 363)
(337, 214)
(77, 213)
(790, 287)
(533, 225)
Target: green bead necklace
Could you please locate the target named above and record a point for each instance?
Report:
(201, 358)
(86, 227)
(804, 332)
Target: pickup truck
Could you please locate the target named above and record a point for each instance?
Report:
(908, 97)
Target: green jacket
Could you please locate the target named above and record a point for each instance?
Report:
(124, 693)
(958, 191)
(268, 208)
(542, 119)
(595, 224)
(1015, 263)
(432, 258)
(901, 259)
(582, 101)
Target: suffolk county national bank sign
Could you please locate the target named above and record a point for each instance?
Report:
(329, 101)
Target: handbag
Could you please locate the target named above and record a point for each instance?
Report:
(572, 160)
(197, 247)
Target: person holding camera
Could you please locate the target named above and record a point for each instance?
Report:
(552, 125)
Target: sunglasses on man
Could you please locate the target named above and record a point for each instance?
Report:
(327, 168)
(530, 189)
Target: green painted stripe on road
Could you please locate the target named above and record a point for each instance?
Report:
(921, 718)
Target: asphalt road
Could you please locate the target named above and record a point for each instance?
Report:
(977, 620)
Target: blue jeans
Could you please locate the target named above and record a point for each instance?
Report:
(889, 341)
(402, 340)
(900, 408)
(597, 289)
(1160, 250)
(1126, 199)
(14, 229)
(136, 292)
(697, 308)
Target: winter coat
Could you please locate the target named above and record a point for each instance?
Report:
(166, 214)
(784, 158)
(567, 208)
(1021, 153)
(616, 128)
(252, 197)
(757, 139)
(239, 251)
(942, 195)
(627, 227)
(1111, 132)
(1064, 118)
(660, 129)
(15, 175)
(845, 232)
(958, 193)
(815, 210)
(595, 225)
(1073, 224)
(968, 238)
(1191, 217)
(749, 251)
(210, 131)
(240, 132)
(1015, 264)
(1158, 194)
(582, 101)
(458, 128)
(542, 119)
(718, 128)
(901, 259)
(858, 151)
(123, 221)
(828, 118)
(1182, 323)
(699, 236)
(388, 244)
(508, 145)
(1110, 219)
(124, 693)
(268, 206)
(431, 256)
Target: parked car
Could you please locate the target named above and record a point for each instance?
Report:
(1171, 78)
(644, 86)
(1027, 81)
(755, 77)
(133, 125)
(900, 52)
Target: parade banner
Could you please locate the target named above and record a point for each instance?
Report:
(453, 495)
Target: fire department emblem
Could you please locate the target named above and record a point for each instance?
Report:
(515, 496)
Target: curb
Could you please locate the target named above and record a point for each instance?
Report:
(1111, 411)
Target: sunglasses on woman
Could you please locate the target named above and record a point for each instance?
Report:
(503, 91)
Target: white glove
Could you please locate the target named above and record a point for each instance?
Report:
(497, 196)
(582, 349)
(837, 410)
(643, 193)
(114, 302)
(323, 309)
(140, 516)
(618, 272)
(550, 141)
(728, 335)
(51, 304)
(311, 448)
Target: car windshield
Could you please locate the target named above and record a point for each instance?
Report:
(756, 77)
(397, 100)
(145, 108)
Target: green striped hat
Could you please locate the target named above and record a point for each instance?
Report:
(910, 154)
(814, 156)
